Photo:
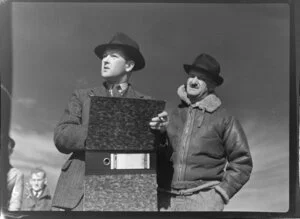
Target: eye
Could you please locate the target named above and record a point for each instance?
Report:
(115, 55)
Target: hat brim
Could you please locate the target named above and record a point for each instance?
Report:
(130, 51)
(215, 78)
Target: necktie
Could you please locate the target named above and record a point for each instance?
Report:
(114, 91)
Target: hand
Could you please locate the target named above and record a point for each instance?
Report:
(160, 122)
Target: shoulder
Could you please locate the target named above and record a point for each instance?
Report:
(224, 116)
(230, 122)
(144, 96)
(47, 192)
(85, 93)
(140, 95)
(222, 112)
(15, 172)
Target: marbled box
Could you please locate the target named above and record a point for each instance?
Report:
(120, 125)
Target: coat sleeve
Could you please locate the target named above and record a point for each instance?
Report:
(15, 201)
(239, 159)
(70, 133)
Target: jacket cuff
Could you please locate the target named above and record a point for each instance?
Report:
(223, 193)
(163, 139)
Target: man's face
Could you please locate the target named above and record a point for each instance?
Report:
(37, 181)
(195, 87)
(114, 65)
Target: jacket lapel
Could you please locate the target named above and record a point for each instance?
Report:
(98, 91)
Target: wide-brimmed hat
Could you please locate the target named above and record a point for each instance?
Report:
(207, 67)
(128, 45)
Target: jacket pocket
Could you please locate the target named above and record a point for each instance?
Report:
(66, 165)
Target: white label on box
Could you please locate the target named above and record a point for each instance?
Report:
(130, 161)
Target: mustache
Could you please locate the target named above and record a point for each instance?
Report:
(193, 84)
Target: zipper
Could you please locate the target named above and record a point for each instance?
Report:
(185, 142)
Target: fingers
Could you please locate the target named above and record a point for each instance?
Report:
(155, 119)
(159, 122)
(163, 114)
(158, 126)
(155, 125)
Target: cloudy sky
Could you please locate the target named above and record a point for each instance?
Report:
(53, 55)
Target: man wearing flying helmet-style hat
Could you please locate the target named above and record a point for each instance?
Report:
(208, 150)
(119, 58)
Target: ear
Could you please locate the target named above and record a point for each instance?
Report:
(129, 66)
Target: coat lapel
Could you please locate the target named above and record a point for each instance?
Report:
(98, 91)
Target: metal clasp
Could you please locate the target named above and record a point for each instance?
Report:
(106, 161)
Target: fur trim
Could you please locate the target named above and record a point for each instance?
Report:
(210, 103)
(183, 95)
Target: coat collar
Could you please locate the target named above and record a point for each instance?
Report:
(130, 91)
(210, 103)
(120, 87)
(45, 193)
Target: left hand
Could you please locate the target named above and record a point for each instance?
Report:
(160, 122)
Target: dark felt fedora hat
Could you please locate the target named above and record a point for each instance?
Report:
(130, 47)
(207, 67)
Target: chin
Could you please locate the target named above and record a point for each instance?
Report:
(193, 93)
(105, 75)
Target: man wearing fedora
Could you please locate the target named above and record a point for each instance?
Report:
(209, 153)
(120, 57)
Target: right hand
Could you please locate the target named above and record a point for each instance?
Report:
(160, 122)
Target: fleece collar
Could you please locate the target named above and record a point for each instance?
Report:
(210, 103)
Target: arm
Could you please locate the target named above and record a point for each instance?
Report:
(15, 201)
(70, 133)
(239, 159)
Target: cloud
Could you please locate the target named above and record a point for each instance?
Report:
(17, 128)
(26, 102)
(33, 118)
(268, 187)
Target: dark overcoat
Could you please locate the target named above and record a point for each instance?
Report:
(69, 138)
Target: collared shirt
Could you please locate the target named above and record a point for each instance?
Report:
(120, 88)
(37, 194)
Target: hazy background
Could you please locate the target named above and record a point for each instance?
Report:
(53, 55)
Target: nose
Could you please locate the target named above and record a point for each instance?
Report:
(194, 79)
(106, 59)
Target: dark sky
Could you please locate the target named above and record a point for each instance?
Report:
(53, 47)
